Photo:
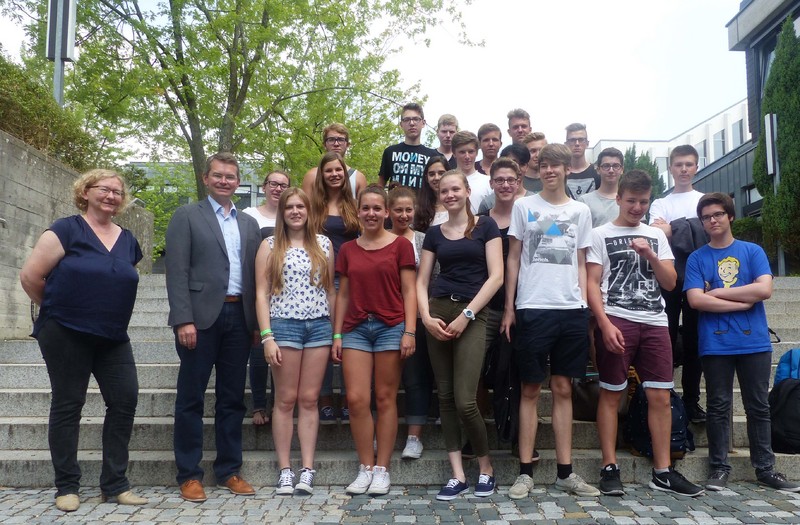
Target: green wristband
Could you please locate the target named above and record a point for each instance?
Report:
(337, 336)
(266, 331)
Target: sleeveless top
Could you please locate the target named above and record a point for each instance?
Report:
(299, 299)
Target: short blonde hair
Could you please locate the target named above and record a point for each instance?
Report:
(91, 178)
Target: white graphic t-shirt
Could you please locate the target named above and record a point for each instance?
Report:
(629, 285)
(551, 237)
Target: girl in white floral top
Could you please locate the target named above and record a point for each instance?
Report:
(294, 285)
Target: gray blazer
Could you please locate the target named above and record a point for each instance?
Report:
(198, 268)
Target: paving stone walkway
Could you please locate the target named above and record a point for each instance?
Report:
(742, 503)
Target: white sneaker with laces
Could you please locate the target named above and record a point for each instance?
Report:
(575, 484)
(362, 481)
(413, 448)
(521, 487)
(285, 482)
(380, 482)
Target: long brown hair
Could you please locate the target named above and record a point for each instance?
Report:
(320, 198)
(426, 204)
(470, 216)
(319, 275)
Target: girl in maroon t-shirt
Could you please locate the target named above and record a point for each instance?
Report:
(375, 328)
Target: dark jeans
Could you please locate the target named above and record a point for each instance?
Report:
(224, 346)
(259, 373)
(677, 304)
(753, 371)
(71, 358)
(418, 381)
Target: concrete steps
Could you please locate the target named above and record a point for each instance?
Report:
(25, 400)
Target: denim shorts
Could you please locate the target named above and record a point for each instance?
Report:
(302, 333)
(373, 335)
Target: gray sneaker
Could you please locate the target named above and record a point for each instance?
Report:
(778, 481)
(718, 480)
(521, 487)
(575, 484)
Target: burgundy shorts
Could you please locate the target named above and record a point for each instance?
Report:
(648, 348)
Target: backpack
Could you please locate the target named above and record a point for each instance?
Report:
(637, 431)
(788, 366)
(784, 410)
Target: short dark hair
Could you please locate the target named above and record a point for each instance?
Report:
(413, 106)
(575, 126)
(635, 181)
(504, 162)
(464, 137)
(611, 152)
(224, 157)
(683, 151)
(488, 128)
(723, 199)
(517, 150)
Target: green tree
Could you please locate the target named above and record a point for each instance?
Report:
(780, 211)
(257, 78)
(646, 163)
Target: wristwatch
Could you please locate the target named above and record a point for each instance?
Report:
(469, 314)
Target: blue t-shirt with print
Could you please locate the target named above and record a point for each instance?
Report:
(729, 333)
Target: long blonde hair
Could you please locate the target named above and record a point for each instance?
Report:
(470, 216)
(319, 276)
(320, 199)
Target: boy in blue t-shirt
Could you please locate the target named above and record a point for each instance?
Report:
(728, 281)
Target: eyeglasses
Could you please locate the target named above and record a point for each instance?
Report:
(501, 181)
(105, 191)
(411, 120)
(579, 140)
(273, 184)
(716, 216)
(226, 178)
(336, 140)
(606, 166)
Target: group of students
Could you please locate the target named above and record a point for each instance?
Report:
(529, 268)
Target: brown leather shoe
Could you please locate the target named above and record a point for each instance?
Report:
(238, 486)
(192, 490)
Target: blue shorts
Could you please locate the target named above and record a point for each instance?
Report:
(373, 335)
(302, 333)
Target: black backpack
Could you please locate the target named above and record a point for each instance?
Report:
(637, 431)
(784, 409)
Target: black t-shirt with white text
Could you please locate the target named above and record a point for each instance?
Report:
(405, 164)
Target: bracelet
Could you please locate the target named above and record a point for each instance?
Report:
(337, 336)
(410, 334)
(266, 331)
(270, 338)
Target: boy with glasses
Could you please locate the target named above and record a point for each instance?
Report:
(582, 178)
(728, 281)
(603, 201)
(336, 137)
(404, 164)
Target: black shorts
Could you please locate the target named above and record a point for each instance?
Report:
(561, 335)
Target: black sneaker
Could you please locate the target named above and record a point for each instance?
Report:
(610, 485)
(695, 412)
(718, 480)
(673, 481)
(777, 481)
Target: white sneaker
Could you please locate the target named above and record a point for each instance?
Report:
(380, 482)
(362, 481)
(575, 484)
(305, 486)
(521, 487)
(285, 483)
(413, 448)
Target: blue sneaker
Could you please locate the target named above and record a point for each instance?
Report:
(485, 485)
(452, 490)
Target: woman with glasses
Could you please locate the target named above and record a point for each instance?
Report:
(275, 183)
(82, 275)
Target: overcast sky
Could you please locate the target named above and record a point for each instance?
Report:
(628, 69)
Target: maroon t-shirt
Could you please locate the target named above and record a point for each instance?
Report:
(374, 281)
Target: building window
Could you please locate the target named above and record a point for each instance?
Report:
(719, 144)
(751, 195)
(702, 153)
(737, 134)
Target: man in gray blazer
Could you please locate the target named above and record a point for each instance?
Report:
(210, 258)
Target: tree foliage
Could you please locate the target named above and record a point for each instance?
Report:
(29, 112)
(256, 78)
(780, 211)
(646, 163)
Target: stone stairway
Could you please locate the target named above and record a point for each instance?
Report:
(25, 398)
